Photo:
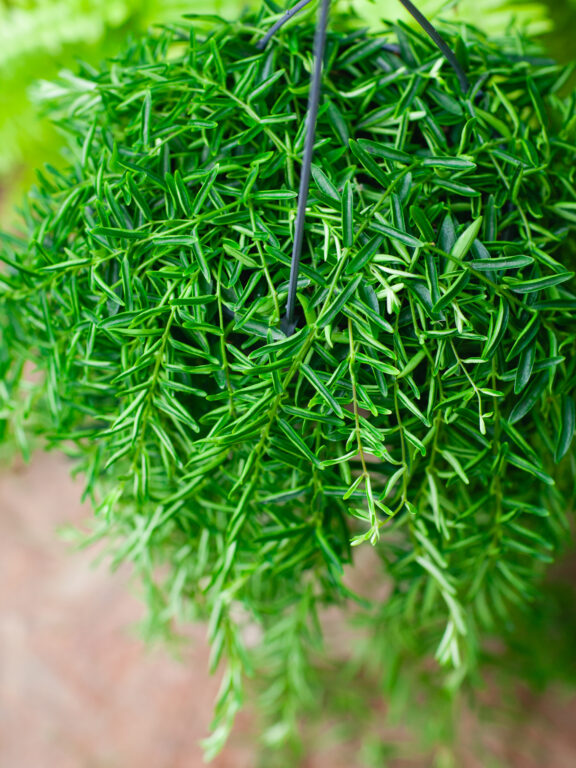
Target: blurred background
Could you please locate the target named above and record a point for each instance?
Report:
(79, 688)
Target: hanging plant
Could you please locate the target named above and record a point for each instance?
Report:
(418, 399)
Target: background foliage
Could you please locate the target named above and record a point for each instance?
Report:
(37, 39)
(424, 406)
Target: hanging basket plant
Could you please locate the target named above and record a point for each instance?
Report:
(420, 398)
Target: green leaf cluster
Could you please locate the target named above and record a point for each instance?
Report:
(40, 37)
(425, 403)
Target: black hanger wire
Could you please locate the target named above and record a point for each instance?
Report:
(288, 323)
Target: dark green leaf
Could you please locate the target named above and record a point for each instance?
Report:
(539, 283)
(396, 234)
(360, 259)
(369, 165)
(332, 311)
(525, 365)
(347, 216)
(529, 398)
(567, 424)
(324, 184)
(503, 262)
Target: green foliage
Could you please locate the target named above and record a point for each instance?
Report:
(40, 37)
(423, 406)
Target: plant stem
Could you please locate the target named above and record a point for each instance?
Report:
(352, 359)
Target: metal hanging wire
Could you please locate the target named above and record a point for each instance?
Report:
(288, 323)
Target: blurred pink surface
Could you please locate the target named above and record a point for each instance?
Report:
(78, 689)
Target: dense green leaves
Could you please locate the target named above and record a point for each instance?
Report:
(422, 403)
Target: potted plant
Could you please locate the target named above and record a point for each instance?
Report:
(420, 398)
